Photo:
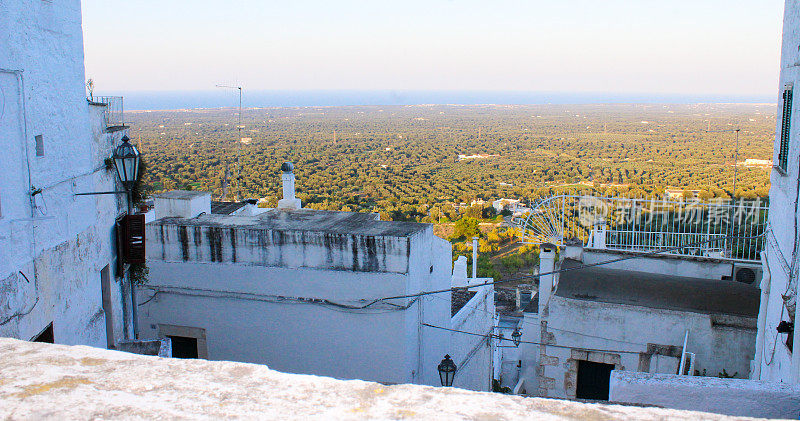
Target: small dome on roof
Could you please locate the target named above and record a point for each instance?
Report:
(287, 167)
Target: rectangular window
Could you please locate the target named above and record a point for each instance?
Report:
(39, 145)
(786, 125)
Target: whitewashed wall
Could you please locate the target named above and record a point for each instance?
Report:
(773, 361)
(473, 355)
(235, 302)
(736, 397)
(626, 331)
(63, 244)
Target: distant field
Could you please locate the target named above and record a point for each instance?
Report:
(403, 161)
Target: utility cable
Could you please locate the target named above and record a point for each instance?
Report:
(523, 322)
(502, 338)
(201, 292)
(504, 281)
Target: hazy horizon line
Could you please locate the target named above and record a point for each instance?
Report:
(153, 100)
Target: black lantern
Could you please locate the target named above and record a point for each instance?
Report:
(447, 371)
(516, 336)
(126, 161)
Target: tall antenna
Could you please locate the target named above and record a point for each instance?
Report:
(239, 126)
(239, 132)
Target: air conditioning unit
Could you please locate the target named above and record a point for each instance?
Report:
(749, 274)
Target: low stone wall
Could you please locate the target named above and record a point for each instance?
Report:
(739, 397)
(43, 381)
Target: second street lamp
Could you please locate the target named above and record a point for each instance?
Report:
(447, 371)
(516, 336)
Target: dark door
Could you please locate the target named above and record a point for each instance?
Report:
(593, 379)
(183, 347)
(46, 335)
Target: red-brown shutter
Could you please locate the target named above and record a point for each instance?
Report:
(133, 238)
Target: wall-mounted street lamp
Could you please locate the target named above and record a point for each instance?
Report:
(516, 337)
(131, 233)
(126, 161)
(447, 371)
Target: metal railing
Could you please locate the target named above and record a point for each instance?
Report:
(645, 225)
(114, 113)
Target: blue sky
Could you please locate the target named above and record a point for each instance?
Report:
(635, 46)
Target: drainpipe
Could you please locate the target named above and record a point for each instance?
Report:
(683, 354)
(766, 282)
(474, 257)
(21, 84)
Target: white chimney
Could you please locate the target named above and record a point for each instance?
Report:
(289, 202)
(459, 278)
(474, 257)
(547, 264)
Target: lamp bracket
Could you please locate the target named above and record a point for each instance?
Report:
(101, 192)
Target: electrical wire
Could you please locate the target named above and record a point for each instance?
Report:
(501, 338)
(399, 307)
(8, 319)
(523, 322)
(279, 299)
(504, 281)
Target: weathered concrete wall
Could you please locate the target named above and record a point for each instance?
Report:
(631, 336)
(252, 245)
(473, 354)
(738, 397)
(260, 313)
(774, 361)
(51, 253)
(665, 265)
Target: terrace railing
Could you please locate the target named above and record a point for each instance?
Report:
(645, 225)
(114, 113)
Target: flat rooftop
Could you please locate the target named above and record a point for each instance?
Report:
(181, 194)
(334, 222)
(226, 208)
(652, 290)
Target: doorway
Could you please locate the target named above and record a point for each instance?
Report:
(45, 336)
(593, 380)
(108, 306)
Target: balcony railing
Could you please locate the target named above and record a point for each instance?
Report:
(721, 229)
(114, 113)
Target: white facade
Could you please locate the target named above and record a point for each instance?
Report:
(643, 331)
(279, 289)
(773, 360)
(56, 249)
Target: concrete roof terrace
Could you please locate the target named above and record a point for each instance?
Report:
(653, 290)
(43, 381)
(309, 220)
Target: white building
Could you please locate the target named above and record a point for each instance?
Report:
(303, 291)
(58, 277)
(500, 205)
(636, 315)
(775, 359)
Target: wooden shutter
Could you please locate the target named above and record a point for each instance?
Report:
(133, 238)
(786, 125)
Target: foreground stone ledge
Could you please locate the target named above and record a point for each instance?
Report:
(77, 382)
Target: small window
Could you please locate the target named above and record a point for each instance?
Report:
(183, 347)
(39, 145)
(786, 125)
